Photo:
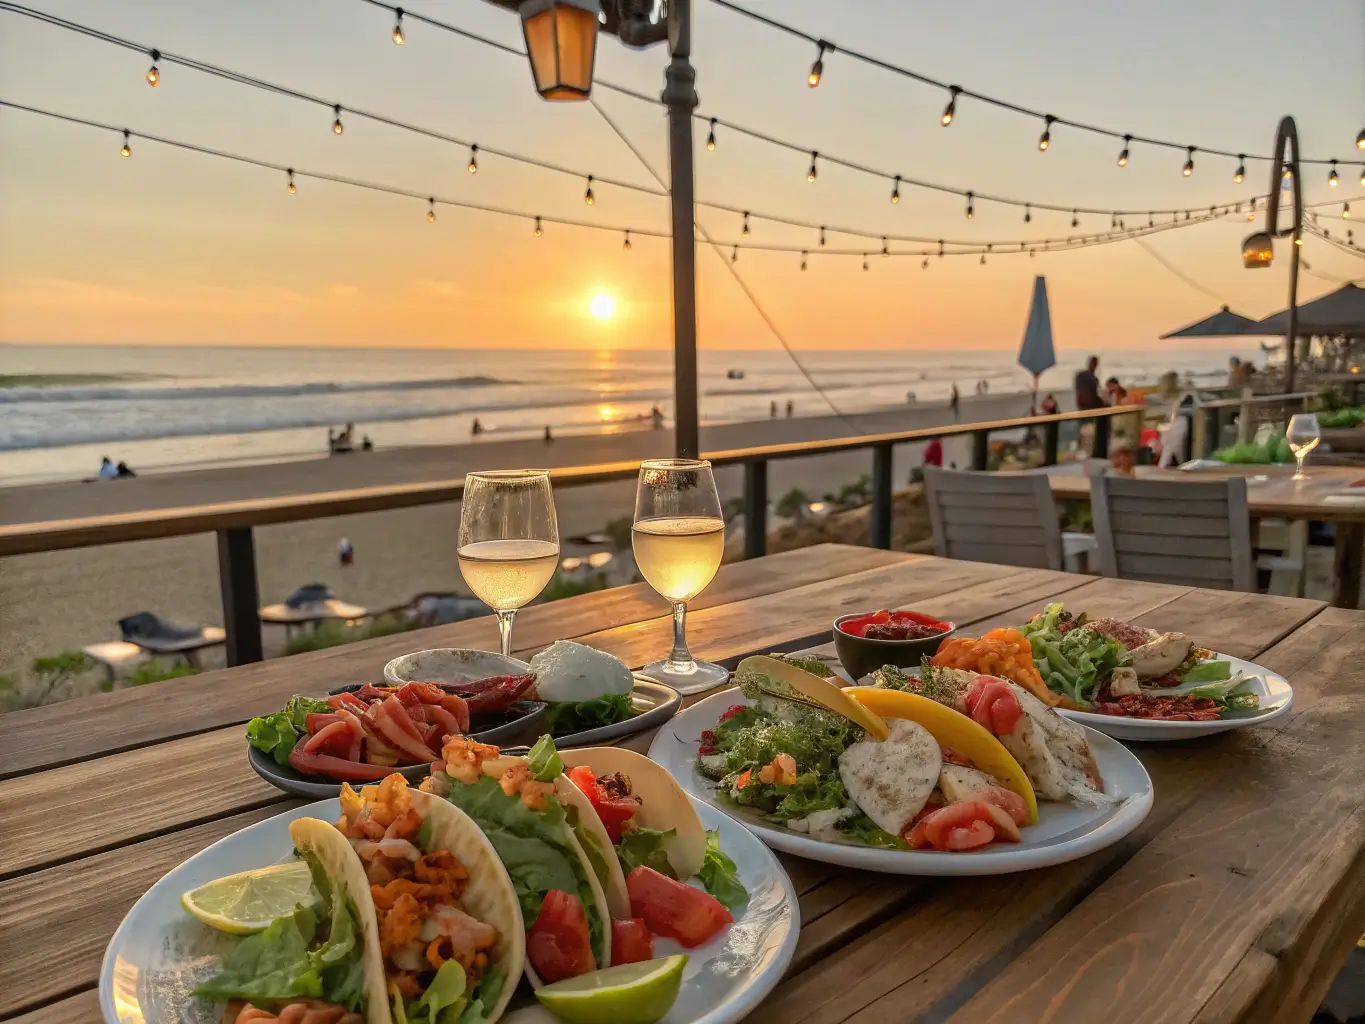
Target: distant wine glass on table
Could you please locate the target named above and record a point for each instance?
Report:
(679, 539)
(509, 541)
(1303, 435)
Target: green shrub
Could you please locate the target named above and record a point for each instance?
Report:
(792, 503)
(334, 633)
(619, 532)
(733, 507)
(561, 587)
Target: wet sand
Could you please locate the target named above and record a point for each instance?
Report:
(64, 599)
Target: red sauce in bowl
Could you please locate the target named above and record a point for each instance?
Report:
(887, 625)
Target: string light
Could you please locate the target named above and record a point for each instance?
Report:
(125, 150)
(1045, 139)
(818, 68)
(711, 136)
(803, 251)
(940, 248)
(587, 193)
(1032, 254)
(885, 250)
(1123, 153)
(538, 231)
(336, 125)
(1188, 169)
(1345, 207)
(1151, 220)
(474, 159)
(153, 73)
(1240, 174)
(431, 211)
(1028, 214)
(951, 109)
(398, 27)
(925, 264)
(625, 245)
(1362, 177)
(865, 264)
(1332, 175)
(810, 175)
(291, 187)
(745, 229)
(1075, 219)
(896, 190)
(734, 255)
(1251, 213)
(971, 209)
(1360, 139)
(822, 236)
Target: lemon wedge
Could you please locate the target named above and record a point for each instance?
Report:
(247, 902)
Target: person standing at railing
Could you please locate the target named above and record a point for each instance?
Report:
(954, 400)
(1050, 406)
(1088, 386)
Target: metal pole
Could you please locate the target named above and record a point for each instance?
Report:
(755, 509)
(879, 525)
(1290, 339)
(680, 96)
(237, 582)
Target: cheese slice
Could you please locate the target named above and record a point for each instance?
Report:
(821, 691)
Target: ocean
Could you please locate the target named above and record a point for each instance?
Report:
(62, 408)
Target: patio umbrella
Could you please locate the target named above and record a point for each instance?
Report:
(1340, 314)
(1035, 354)
(1222, 324)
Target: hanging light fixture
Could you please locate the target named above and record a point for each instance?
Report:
(336, 125)
(397, 35)
(1123, 153)
(885, 250)
(474, 159)
(822, 236)
(711, 136)
(1345, 207)
(625, 245)
(745, 230)
(1360, 139)
(896, 190)
(1188, 169)
(734, 254)
(561, 40)
(1045, 139)
(587, 193)
(1028, 213)
(125, 150)
(940, 248)
(290, 186)
(865, 267)
(1332, 175)
(818, 68)
(803, 259)
(1240, 174)
(153, 73)
(1075, 219)
(1362, 177)
(431, 211)
(950, 111)
(811, 174)
(971, 209)
(538, 231)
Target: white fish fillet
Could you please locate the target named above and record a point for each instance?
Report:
(1055, 754)
(891, 780)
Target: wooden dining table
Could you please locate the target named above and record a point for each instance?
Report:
(1237, 899)
(1272, 493)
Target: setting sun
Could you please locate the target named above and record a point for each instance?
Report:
(602, 306)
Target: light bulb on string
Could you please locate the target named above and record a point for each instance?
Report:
(1332, 175)
(1075, 219)
(818, 68)
(154, 73)
(950, 111)
(1362, 177)
(865, 263)
(587, 192)
(1032, 253)
(1028, 213)
(734, 254)
(538, 232)
(1298, 239)
(397, 36)
(1113, 221)
(803, 259)
(290, 186)
(971, 209)
(1123, 153)
(1045, 139)
(925, 264)
(822, 236)
(940, 248)
(431, 211)
(625, 245)
(1151, 220)
(745, 229)
(896, 190)
(885, 250)
(1345, 207)
(811, 174)
(125, 150)
(336, 125)
(711, 136)
(473, 159)
(1240, 174)
(1188, 169)
(1187, 214)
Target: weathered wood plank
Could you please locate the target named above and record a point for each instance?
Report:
(66, 915)
(60, 734)
(78, 1009)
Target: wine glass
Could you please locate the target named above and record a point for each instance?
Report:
(678, 539)
(1303, 435)
(509, 540)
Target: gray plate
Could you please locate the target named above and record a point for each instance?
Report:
(654, 704)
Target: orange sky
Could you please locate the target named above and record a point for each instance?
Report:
(173, 248)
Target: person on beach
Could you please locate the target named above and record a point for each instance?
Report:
(1088, 386)
(345, 552)
(772, 409)
(549, 437)
(910, 398)
(656, 416)
(1117, 393)
(123, 471)
(933, 452)
(108, 471)
(366, 445)
(477, 428)
(1050, 406)
(954, 399)
(791, 408)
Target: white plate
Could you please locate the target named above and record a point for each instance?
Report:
(1277, 697)
(159, 952)
(1064, 832)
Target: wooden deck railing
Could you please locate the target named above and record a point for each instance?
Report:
(234, 521)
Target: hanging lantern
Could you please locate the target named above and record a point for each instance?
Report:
(561, 40)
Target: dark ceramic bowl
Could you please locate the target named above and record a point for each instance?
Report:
(861, 656)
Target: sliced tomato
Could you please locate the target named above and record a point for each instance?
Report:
(394, 726)
(332, 739)
(963, 826)
(459, 707)
(631, 942)
(367, 693)
(427, 693)
(446, 723)
(337, 767)
(316, 720)
(614, 812)
(674, 909)
(993, 705)
(1007, 800)
(558, 944)
(1005, 828)
(431, 736)
(346, 700)
(409, 695)
(959, 840)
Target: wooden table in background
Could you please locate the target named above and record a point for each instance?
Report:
(1278, 496)
(1236, 900)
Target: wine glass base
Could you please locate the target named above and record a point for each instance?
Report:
(703, 676)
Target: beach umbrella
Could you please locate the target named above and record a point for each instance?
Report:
(1338, 314)
(1222, 324)
(1035, 354)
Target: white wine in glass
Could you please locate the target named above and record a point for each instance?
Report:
(679, 539)
(509, 541)
(1303, 435)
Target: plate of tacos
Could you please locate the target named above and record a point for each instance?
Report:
(584, 887)
(946, 773)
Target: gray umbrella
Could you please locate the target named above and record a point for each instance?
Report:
(1222, 324)
(1338, 313)
(1035, 354)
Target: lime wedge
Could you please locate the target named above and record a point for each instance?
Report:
(640, 993)
(248, 902)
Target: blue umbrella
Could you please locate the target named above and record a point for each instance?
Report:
(1035, 354)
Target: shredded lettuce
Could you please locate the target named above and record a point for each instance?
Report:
(862, 829)
(720, 876)
(277, 734)
(645, 847)
(569, 717)
(544, 761)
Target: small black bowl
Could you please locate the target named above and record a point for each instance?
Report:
(861, 656)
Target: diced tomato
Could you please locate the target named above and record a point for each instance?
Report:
(316, 720)
(673, 909)
(963, 826)
(742, 779)
(445, 723)
(333, 739)
(337, 767)
(631, 942)
(391, 721)
(614, 813)
(1007, 800)
(993, 705)
(558, 943)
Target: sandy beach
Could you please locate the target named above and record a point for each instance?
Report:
(62, 600)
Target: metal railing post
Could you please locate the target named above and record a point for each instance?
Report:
(1213, 429)
(879, 527)
(1052, 440)
(237, 581)
(981, 450)
(1100, 449)
(756, 508)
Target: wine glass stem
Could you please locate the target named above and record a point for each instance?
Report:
(505, 631)
(1298, 473)
(680, 658)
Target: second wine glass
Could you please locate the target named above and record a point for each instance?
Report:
(509, 541)
(679, 540)
(1303, 435)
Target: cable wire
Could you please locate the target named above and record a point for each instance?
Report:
(1181, 274)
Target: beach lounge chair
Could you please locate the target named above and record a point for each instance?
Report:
(310, 604)
(156, 635)
(117, 656)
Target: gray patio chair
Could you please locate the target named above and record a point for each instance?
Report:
(1006, 518)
